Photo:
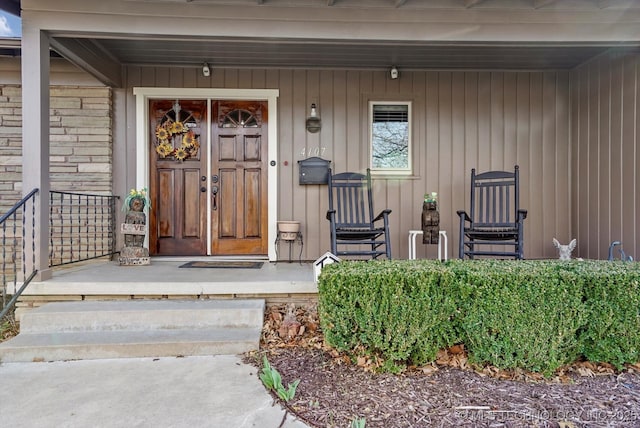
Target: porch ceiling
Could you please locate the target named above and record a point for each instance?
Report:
(331, 34)
(338, 54)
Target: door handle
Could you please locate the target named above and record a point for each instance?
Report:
(214, 196)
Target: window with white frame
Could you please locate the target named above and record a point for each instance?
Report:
(390, 137)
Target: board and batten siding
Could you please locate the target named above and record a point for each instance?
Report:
(461, 120)
(606, 154)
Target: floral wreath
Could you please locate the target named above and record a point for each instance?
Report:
(175, 141)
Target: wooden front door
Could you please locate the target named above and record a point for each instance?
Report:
(239, 178)
(178, 177)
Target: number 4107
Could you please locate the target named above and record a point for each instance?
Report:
(312, 151)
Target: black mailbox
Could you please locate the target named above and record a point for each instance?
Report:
(314, 171)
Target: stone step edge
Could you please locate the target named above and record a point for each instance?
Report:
(129, 316)
(106, 321)
(101, 345)
(150, 305)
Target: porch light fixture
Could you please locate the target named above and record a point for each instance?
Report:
(394, 73)
(206, 71)
(313, 121)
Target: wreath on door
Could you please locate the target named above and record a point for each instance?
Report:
(176, 141)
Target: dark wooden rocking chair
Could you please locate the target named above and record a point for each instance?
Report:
(496, 219)
(351, 216)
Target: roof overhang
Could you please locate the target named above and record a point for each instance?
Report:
(346, 34)
(230, 52)
(11, 6)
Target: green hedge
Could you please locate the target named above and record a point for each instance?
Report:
(534, 315)
(612, 333)
(524, 315)
(400, 311)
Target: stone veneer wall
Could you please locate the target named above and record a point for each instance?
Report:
(81, 141)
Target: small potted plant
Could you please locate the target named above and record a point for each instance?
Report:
(137, 200)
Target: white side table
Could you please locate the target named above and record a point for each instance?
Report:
(443, 244)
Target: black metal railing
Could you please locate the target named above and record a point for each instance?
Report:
(14, 237)
(82, 227)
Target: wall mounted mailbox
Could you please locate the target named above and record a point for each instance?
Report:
(314, 170)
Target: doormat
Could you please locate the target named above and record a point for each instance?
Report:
(223, 265)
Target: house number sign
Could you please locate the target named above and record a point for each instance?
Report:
(312, 151)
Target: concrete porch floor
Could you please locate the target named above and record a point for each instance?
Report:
(165, 276)
(106, 280)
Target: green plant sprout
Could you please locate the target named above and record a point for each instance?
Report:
(358, 423)
(272, 380)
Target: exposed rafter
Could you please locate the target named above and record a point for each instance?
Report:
(88, 56)
(471, 3)
(399, 3)
(537, 4)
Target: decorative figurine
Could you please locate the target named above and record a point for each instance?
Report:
(134, 229)
(430, 219)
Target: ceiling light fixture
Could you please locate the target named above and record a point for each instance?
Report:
(206, 71)
(394, 72)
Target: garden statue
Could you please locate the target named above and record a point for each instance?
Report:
(430, 219)
(134, 229)
(564, 251)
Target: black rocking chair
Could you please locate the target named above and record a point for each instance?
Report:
(351, 216)
(496, 219)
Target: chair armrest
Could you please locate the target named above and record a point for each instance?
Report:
(463, 216)
(383, 214)
(522, 214)
(331, 214)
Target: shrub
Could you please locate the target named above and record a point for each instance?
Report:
(519, 314)
(534, 315)
(612, 333)
(401, 311)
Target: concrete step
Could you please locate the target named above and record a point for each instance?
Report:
(128, 344)
(142, 315)
(131, 329)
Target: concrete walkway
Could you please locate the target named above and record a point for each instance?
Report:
(215, 391)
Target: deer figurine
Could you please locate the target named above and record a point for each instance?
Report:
(564, 251)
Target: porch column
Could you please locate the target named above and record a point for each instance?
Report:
(35, 142)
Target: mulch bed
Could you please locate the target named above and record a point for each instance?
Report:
(333, 391)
